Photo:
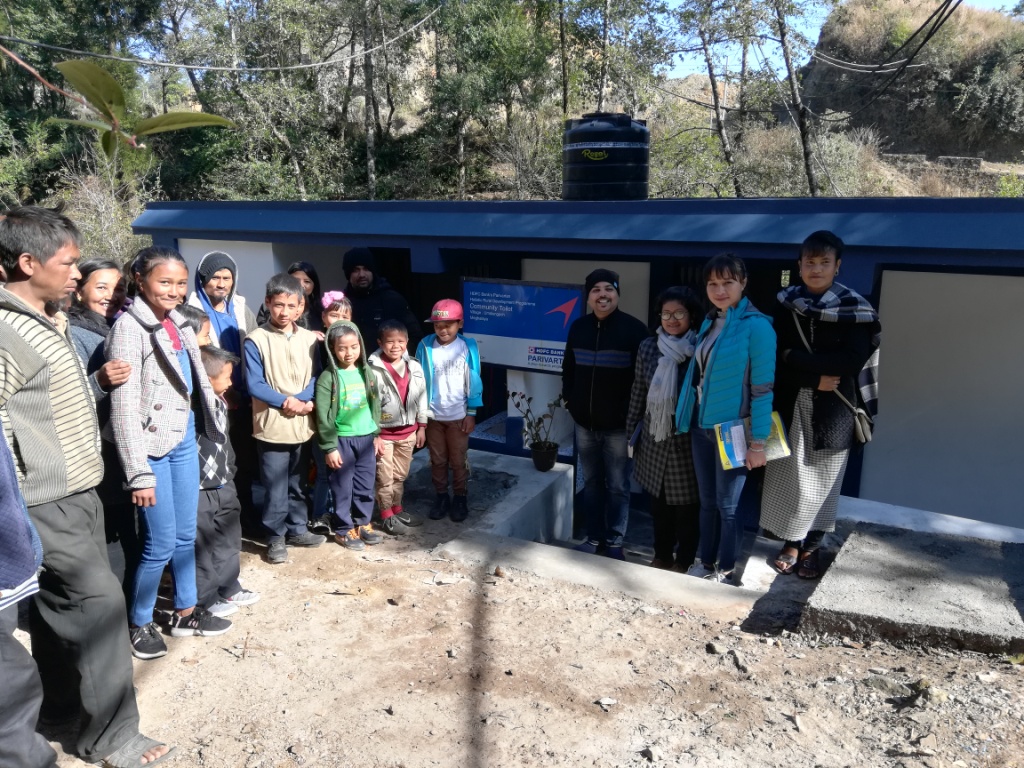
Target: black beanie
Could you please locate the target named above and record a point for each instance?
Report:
(214, 262)
(602, 276)
(358, 257)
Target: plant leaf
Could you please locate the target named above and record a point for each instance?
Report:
(98, 87)
(175, 121)
(109, 142)
(96, 125)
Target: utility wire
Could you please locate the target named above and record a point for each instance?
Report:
(209, 68)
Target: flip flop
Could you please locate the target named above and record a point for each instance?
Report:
(809, 567)
(129, 755)
(788, 560)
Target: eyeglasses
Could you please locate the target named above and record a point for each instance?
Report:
(679, 314)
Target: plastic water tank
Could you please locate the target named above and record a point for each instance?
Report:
(605, 156)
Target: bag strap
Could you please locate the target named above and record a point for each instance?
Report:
(803, 338)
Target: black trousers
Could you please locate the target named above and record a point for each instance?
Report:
(284, 505)
(79, 626)
(218, 542)
(676, 530)
(20, 745)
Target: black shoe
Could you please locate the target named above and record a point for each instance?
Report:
(306, 539)
(409, 519)
(321, 525)
(277, 552)
(442, 504)
(394, 526)
(146, 642)
(460, 509)
(200, 622)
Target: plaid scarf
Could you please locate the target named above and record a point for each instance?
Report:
(840, 304)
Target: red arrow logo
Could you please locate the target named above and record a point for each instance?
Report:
(566, 309)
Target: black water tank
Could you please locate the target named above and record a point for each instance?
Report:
(605, 157)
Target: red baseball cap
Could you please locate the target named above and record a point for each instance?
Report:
(445, 310)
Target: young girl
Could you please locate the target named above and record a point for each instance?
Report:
(347, 418)
(731, 377)
(154, 430)
(335, 307)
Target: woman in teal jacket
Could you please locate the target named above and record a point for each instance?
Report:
(731, 377)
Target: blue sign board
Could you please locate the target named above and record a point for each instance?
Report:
(520, 324)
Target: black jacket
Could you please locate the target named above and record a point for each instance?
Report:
(840, 349)
(380, 303)
(598, 368)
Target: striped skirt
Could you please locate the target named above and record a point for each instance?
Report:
(801, 491)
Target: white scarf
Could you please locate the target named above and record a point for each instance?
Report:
(664, 389)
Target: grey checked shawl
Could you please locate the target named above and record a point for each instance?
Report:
(840, 304)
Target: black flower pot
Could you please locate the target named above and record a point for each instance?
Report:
(544, 455)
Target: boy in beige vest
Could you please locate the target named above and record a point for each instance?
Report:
(280, 369)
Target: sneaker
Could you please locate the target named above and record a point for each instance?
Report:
(243, 597)
(409, 519)
(460, 509)
(277, 552)
(442, 504)
(200, 623)
(370, 536)
(394, 526)
(350, 540)
(305, 539)
(700, 571)
(223, 608)
(615, 553)
(321, 525)
(589, 546)
(146, 642)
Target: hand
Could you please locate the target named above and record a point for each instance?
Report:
(113, 374)
(333, 460)
(421, 436)
(469, 424)
(828, 383)
(292, 406)
(307, 408)
(144, 497)
(756, 459)
(319, 335)
(378, 447)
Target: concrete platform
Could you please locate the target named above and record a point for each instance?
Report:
(925, 588)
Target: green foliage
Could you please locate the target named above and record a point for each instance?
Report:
(1010, 185)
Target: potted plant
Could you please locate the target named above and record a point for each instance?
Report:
(537, 429)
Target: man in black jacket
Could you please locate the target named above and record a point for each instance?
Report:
(597, 376)
(374, 300)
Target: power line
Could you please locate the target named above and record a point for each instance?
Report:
(209, 68)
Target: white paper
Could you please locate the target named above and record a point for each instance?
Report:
(739, 443)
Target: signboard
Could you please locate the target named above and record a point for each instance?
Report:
(520, 324)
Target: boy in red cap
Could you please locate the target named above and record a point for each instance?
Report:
(451, 365)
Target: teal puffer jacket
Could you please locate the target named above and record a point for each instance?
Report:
(739, 375)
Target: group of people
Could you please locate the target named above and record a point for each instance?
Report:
(658, 399)
(159, 403)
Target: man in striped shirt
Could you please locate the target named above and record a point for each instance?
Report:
(78, 621)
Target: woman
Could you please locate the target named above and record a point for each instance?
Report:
(841, 329)
(308, 278)
(155, 432)
(662, 460)
(730, 378)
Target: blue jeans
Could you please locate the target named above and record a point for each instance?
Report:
(720, 491)
(352, 485)
(168, 529)
(605, 461)
(323, 499)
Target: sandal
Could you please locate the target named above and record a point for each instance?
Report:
(130, 754)
(788, 562)
(809, 568)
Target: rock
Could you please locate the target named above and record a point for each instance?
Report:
(394, 601)
(390, 710)
(508, 672)
(987, 677)
(887, 686)
(650, 610)
(605, 703)
(878, 670)
(928, 742)
(453, 653)
(715, 648)
(499, 572)
(741, 663)
(653, 754)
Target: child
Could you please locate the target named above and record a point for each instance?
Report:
(403, 421)
(280, 362)
(347, 414)
(155, 432)
(335, 307)
(218, 521)
(198, 321)
(451, 365)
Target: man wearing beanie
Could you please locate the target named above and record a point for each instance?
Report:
(597, 377)
(373, 299)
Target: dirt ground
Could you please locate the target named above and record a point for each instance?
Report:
(396, 657)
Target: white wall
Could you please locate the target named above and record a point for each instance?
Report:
(326, 258)
(951, 421)
(256, 264)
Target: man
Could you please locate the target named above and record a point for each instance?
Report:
(231, 321)
(78, 624)
(597, 377)
(374, 300)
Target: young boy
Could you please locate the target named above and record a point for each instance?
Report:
(451, 367)
(218, 521)
(403, 421)
(280, 371)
